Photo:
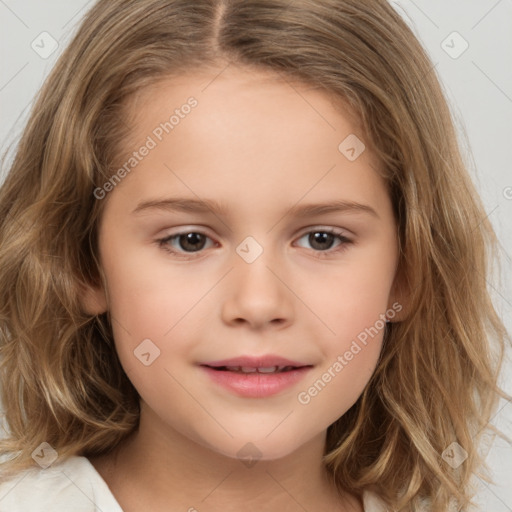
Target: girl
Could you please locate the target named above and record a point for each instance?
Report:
(242, 263)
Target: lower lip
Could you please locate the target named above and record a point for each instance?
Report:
(256, 385)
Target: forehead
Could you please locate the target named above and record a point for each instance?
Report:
(250, 137)
(238, 89)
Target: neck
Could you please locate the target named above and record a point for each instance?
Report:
(157, 467)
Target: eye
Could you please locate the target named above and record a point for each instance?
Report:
(190, 242)
(321, 240)
(183, 243)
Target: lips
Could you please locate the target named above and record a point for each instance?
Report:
(256, 377)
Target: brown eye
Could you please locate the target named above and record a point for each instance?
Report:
(191, 241)
(183, 243)
(323, 240)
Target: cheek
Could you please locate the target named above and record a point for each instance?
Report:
(336, 387)
(352, 307)
(147, 296)
(350, 300)
(150, 306)
(350, 359)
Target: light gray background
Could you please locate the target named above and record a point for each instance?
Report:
(478, 83)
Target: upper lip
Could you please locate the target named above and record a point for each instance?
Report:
(266, 361)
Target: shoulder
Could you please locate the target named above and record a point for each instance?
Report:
(72, 484)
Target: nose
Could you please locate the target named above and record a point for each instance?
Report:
(258, 295)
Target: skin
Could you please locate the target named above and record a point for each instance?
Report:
(258, 145)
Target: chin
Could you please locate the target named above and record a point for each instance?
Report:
(258, 448)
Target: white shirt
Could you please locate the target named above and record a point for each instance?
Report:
(75, 486)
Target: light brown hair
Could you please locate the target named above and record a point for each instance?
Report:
(436, 382)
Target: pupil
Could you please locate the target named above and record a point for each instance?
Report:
(321, 238)
(190, 241)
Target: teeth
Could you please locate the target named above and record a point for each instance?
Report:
(270, 369)
(250, 369)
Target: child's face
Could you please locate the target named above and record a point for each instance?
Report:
(259, 148)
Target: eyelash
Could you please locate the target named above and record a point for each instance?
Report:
(163, 243)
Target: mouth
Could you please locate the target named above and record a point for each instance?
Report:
(256, 377)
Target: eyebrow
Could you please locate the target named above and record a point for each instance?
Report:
(211, 206)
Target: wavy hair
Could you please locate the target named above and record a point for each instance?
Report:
(437, 379)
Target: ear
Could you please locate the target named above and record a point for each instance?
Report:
(398, 303)
(93, 299)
